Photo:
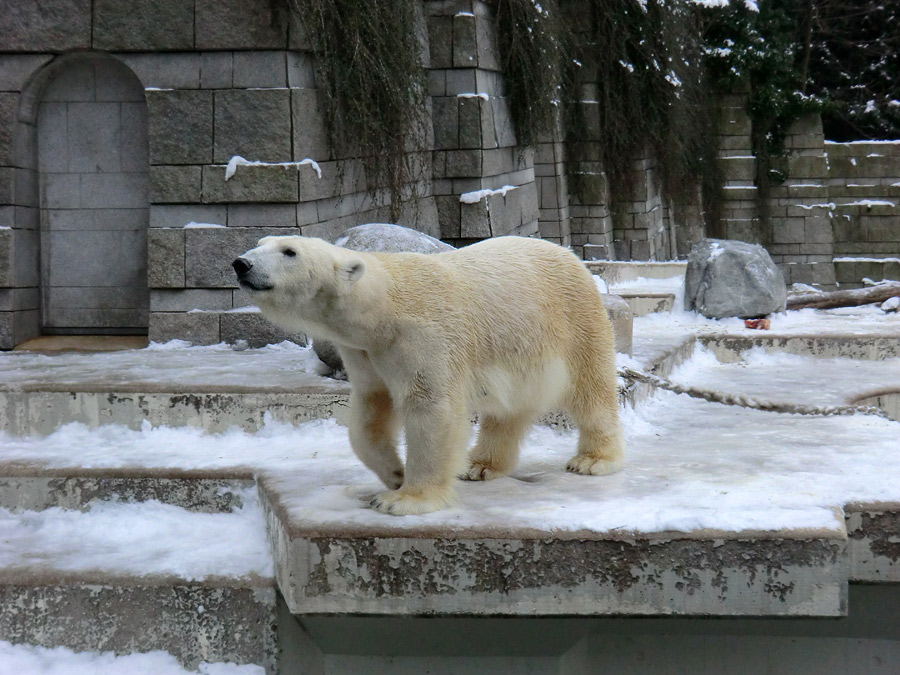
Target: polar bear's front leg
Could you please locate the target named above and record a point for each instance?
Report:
(436, 438)
(374, 426)
(374, 422)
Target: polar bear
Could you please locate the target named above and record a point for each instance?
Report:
(507, 328)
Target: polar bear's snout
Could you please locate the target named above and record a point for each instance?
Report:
(241, 267)
(248, 277)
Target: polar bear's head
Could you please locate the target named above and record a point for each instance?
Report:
(289, 271)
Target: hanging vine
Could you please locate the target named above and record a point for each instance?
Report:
(372, 84)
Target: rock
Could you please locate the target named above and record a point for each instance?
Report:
(388, 238)
(377, 238)
(733, 278)
(891, 304)
(622, 319)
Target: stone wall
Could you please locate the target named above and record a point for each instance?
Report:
(230, 78)
(833, 220)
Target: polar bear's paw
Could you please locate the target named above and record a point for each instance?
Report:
(407, 502)
(593, 466)
(479, 471)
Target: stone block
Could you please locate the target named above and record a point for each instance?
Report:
(255, 124)
(789, 231)
(310, 135)
(448, 215)
(114, 190)
(181, 127)
(250, 184)
(166, 215)
(260, 69)
(461, 82)
(330, 229)
(143, 25)
(165, 71)
(475, 221)
(216, 70)
(15, 69)
(262, 215)
(200, 328)
(469, 121)
(238, 24)
(301, 72)
(440, 41)
(486, 44)
(817, 230)
(7, 258)
(210, 251)
(184, 300)
(824, 274)
(463, 163)
(172, 184)
(254, 329)
(46, 26)
(8, 106)
(465, 43)
(445, 117)
(165, 258)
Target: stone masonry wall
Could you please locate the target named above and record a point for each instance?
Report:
(835, 218)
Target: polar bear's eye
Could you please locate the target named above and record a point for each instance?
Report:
(289, 252)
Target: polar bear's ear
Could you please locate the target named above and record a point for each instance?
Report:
(352, 270)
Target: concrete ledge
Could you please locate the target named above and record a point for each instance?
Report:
(874, 535)
(873, 347)
(537, 574)
(195, 622)
(42, 412)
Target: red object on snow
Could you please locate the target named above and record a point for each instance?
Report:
(758, 324)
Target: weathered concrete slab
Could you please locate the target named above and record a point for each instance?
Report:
(37, 493)
(874, 534)
(542, 574)
(42, 412)
(213, 621)
(871, 347)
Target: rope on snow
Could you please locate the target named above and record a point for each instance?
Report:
(745, 401)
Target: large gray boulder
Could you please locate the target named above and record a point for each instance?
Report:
(378, 238)
(728, 278)
(389, 238)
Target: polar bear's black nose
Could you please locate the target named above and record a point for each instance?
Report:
(241, 266)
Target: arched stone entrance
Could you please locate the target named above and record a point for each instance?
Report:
(92, 152)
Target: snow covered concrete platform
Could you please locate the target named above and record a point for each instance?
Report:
(108, 564)
(720, 511)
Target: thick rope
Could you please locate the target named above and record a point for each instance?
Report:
(748, 401)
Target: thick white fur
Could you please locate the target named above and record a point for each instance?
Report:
(507, 328)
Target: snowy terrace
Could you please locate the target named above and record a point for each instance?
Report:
(229, 468)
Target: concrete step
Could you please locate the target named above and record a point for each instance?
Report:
(77, 571)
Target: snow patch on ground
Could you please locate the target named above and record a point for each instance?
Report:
(33, 660)
(137, 538)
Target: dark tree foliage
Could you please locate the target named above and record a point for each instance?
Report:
(641, 62)
(854, 63)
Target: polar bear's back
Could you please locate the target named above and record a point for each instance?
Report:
(505, 299)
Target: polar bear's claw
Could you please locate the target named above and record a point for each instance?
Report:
(478, 471)
(593, 466)
(398, 503)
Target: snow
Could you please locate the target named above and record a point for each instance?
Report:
(146, 538)
(691, 465)
(891, 304)
(863, 259)
(33, 660)
(483, 96)
(193, 225)
(477, 195)
(673, 285)
(285, 366)
(237, 161)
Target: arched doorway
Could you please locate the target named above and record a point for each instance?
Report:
(92, 152)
